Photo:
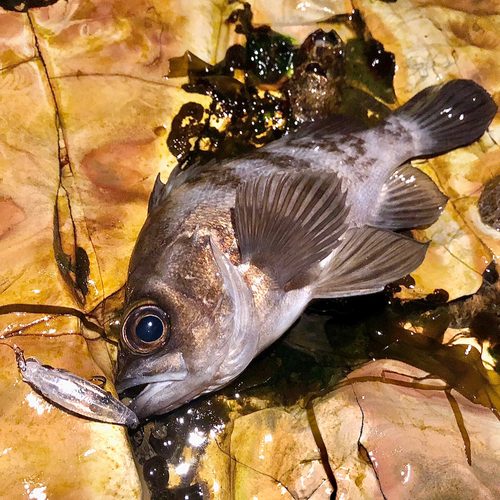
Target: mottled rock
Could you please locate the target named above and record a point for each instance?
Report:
(84, 92)
(86, 107)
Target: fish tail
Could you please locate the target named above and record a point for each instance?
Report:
(448, 116)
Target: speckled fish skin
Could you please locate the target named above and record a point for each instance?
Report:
(74, 393)
(233, 252)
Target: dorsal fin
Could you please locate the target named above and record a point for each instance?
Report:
(158, 194)
(329, 126)
(408, 199)
(287, 223)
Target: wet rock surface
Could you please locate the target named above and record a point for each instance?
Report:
(82, 92)
(433, 42)
(92, 109)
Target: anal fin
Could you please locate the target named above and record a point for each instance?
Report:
(287, 223)
(368, 259)
(408, 199)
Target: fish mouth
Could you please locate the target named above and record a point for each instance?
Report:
(160, 383)
(160, 369)
(146, 402)
(159, 398)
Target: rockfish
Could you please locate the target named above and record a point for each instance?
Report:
(231, 253)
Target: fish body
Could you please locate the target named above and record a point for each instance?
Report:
(232, 253)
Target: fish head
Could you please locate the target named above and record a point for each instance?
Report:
(181, 323)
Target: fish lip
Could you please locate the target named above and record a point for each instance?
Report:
(128, 383)
(141, 404)
(159, 369)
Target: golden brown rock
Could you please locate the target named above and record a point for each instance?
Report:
(391, 433)
(83, 89)
(48, 453)
(84, 95)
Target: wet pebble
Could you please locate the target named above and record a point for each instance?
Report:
(489, 203)
(314, 88)
(490, 275)
(164, 447)
(155, 472)
(381, 63)
(437, 297)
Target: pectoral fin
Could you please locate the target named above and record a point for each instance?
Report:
(366, 261)
(287, 223)
(408, 199)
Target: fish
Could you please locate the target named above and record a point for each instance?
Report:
(75, 394)
(232, 252)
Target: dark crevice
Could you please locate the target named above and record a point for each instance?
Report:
(316, 489)
(320, 443)
(20, 333)
(78, 262)
(362, 448)
(461, 425)
(460, 260)
(63, 158)
(20, 63)
(53, 311)
(114, 75)
(4, 285)
(399, 383)
(162, 31)
(64, 261)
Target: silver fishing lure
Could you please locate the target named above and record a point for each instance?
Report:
(74, 393)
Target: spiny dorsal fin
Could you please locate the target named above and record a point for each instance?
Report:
(157, 195)
(287, 223)
(408, 199)
(366, 261)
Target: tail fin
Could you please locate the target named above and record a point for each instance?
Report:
(448, 116)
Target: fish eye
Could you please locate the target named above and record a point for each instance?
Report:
(145, 328)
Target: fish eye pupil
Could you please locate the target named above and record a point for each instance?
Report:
(145, 328)
(149, 329)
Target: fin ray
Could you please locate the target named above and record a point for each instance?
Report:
(158, 194)
(287, 223)
(448, 116)
(368, 259)
(408, 199)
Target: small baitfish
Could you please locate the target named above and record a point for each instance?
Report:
(74, 393)
(232, 253)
